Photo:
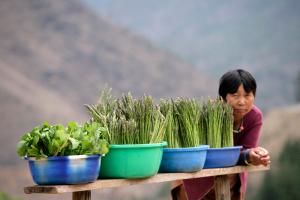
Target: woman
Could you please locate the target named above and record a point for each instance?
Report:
(238, 89)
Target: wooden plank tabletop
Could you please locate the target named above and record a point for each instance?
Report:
(161, 177)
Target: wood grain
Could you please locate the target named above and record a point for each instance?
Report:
(161, 177)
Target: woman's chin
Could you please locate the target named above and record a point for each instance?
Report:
(238, 115)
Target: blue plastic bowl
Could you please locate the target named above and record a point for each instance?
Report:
(58, 170)
(222, 157)
(183, 159)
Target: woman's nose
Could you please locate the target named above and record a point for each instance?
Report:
(241, 101)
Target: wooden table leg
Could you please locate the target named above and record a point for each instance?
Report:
(222, 187)
(82, 195)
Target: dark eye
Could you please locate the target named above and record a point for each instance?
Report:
(248, 95)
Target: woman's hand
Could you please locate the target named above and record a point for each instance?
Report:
(259, 156)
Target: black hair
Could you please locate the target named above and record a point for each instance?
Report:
(231, 80)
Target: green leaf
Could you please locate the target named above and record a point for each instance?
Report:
(75, 143)
(47, 140)
(22, 148)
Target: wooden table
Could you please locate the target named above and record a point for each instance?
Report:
(83, 191)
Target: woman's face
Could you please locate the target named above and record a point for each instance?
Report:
(241, 102)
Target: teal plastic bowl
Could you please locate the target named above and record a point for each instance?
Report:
(132, 161)
(222, 157)
(183, 159)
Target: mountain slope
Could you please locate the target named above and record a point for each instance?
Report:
(260, 36)
(66, 36)
(56, 56)
(59, 55)
(280, 125)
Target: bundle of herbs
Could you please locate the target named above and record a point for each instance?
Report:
(56, 140)
(128, 120)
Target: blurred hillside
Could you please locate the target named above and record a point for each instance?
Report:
(280, 125)
(56, 56)
(260, 36)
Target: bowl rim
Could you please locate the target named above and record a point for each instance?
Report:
(71, 157)
(186, 149)
(225, 148)
(148, 145)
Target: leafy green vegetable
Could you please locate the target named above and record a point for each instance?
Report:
(57, 140)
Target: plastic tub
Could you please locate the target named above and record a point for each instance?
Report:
(59, 170)
(183, 159)
(132, 160)
(222, 157)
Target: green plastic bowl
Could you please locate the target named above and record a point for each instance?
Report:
(132, 160)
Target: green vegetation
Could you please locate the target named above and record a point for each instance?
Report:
(192, 124)
(128, 120)
(171, 134)
(182, 122)
(187, 112)
(283, 183)
(227, 126)
(218, 123)
(183, 126)
(213, 119)
(47, 140)
(4, 196)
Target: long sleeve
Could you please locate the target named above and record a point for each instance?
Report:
(197, 188)
(249, 138)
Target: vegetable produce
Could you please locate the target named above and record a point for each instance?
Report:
(227, 126)
(183, 129)
(218, 121)
(213, 114)
(187, 112)
(128, 120)
(182, 122)
(56, 140)
(171, 135)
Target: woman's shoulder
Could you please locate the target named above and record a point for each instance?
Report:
(256, 110)
(254, 115)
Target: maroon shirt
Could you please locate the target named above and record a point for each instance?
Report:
(248, 138)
